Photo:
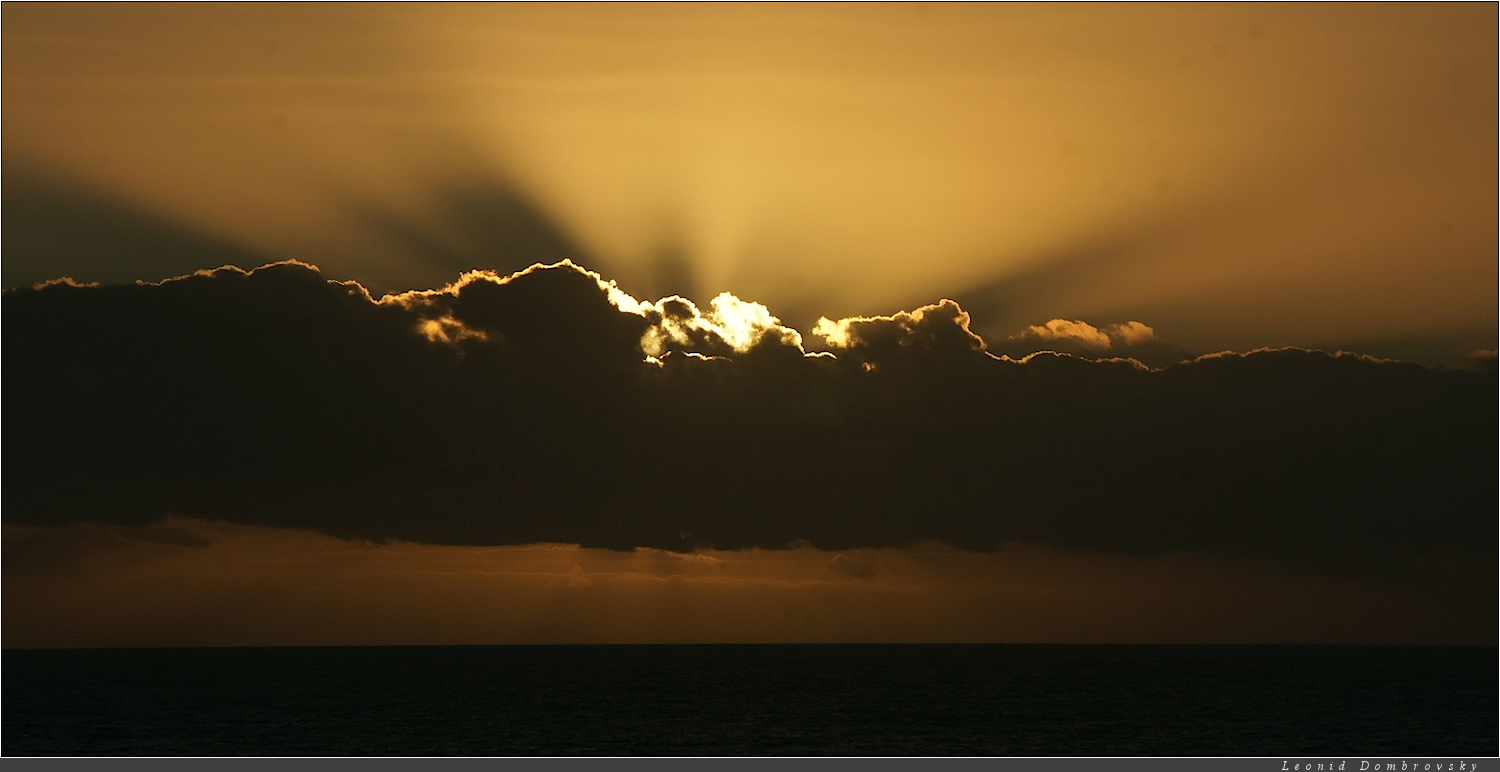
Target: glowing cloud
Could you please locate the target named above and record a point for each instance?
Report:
(730, 326)
(1063, 329)
(943, 325)
(1133, 333)
(743, 324)
(1079, 338)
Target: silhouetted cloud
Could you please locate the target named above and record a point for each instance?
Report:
(551, 406)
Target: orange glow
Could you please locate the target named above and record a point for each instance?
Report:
(189, 582)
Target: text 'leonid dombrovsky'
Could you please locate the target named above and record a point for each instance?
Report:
(1379, 766)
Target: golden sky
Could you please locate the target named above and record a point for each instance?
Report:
(1234, 175)
(1222, 176)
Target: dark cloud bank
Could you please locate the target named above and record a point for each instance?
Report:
(523, 409)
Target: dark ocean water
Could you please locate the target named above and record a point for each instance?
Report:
(995, 700)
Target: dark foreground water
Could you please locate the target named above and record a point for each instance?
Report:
(754, 700)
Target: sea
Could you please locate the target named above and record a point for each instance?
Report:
(753, 700)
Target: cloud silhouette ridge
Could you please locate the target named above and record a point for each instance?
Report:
(551, 406)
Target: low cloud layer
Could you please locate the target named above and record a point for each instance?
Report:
(551, 407)
(186, 582)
